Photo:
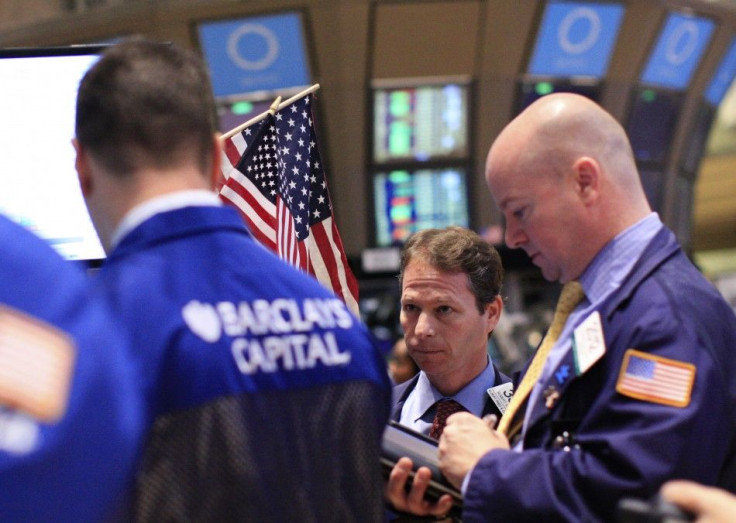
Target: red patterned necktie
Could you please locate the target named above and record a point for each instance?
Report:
(444, 409)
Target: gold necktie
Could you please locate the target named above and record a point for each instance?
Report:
(572, 293)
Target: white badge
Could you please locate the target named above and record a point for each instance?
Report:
(588, 343)
(501, 395)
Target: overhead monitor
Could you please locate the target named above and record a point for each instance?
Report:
(420, 122)
(678, 51)
(532, 89)
(38, 182)
(255, 54)
(408, 201)
(576, 39)
(652, 122)
(723, 78)
(232, 114)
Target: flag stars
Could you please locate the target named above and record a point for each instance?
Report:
(291, 122)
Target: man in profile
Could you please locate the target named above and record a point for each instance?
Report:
(633, 383)
(265, 396)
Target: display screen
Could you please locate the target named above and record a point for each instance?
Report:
(723, 78)
(678, 51)
(420, 123)
(576, 39)
(38, 182)
(233, 114)
(531, 90)
(247, 55)
(409, 201)
(652, 121)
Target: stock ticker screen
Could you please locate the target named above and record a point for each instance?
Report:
(420, 123)
(409, 201)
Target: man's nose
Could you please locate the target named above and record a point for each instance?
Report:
(424, 326)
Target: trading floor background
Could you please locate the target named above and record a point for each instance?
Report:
(414, 91)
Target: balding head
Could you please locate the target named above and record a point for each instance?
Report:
(567, 149)
(559, 128)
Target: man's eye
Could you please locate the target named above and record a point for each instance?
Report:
(408, 307)
(519, 213)
(444, 309)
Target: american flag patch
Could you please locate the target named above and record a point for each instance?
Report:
(36, 364)
(653, 378)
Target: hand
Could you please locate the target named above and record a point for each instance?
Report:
(709, 504)
(464, 441)
(413, 501)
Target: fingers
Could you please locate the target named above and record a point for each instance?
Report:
(697, 498)
(413, 500)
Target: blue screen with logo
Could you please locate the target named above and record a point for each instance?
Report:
(678, 51)
(723, 78)
(576, 39)
(247, 55)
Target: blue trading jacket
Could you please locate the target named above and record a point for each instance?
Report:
(594, 445)
(78, 467)
(226, 331)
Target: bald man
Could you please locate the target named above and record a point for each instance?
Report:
(638, 387)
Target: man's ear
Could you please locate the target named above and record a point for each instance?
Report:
(81, 164)
(587, 177)
(492, 313)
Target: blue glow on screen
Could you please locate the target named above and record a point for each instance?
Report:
(678, 51)
(723, 78)
(576, 39)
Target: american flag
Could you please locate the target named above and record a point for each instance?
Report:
(273, 174)
(653, 378)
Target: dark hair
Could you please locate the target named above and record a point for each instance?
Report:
(455, 250)
(146, 104)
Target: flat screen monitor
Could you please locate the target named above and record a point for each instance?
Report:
(38, 182)
(232, 114)
(576, 39)
(532, 89)
(678, 51)
(652, 122)
(420, 123)
(723, 77)
(408, 201)
(255, 54)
